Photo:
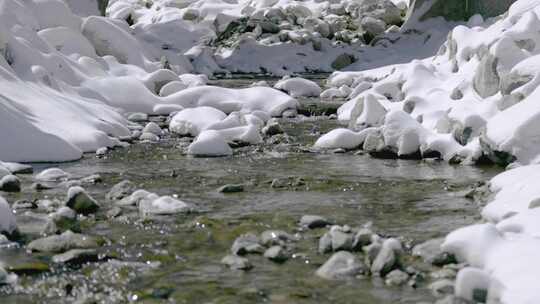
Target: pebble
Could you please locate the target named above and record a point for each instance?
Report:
(387, 258)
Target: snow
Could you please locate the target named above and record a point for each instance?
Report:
(209, 143)
(299, 87)
(194, 121)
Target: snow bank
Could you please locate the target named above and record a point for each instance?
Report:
(86, 73)
(475, 98)
(506, 248)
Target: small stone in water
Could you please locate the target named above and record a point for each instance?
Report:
(276, 254)
(138, 117)
(80, 201)
(10, 183)
(121, 190)
(236, 262)
(76, 257)
(396, 278)
(341, 265)
(247, 243)
(231, 188)
(314, 221)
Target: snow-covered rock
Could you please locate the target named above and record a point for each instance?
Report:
(299, 87)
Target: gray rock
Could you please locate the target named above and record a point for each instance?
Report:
(7, 278)
(247, 243)
(387, 259)
(24, 204)
(80, 201)
(63, 242)
(10, 183)
(314, 221)
(231, 188)
(373, 26)
(102, 151)
(236, 262)
(371, 252)
(276, 254)
(396, 278)
(325, 243)
(275, 237)
(442, 287)
(152, 128)
(486, 78)
(76, 257)
(52, 175)
(121, 190)
(341, 265)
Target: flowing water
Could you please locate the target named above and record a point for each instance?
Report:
(176, 259)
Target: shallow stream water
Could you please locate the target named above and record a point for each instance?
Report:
(176, 259)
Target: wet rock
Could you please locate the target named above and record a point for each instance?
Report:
(231, 188)
(52, 175)
(275, 237)
(338, 238)
(442, 287)
(80, 201)
(431, 252)
(24, 204)
(164, 205)
(314, 221)
(76, 257)
(138, 117)
(362, 238)
(114, 212)
(396, 278)
(41, 186)
(236, 262)
(371, 252)
(92, 179)
(341, 265)
(272, 128)
(65, 219)
(276, 254)
(387, 259)
(247, 243)
(10, 183)
(121, 190)
(25, 267)
(63, 242)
